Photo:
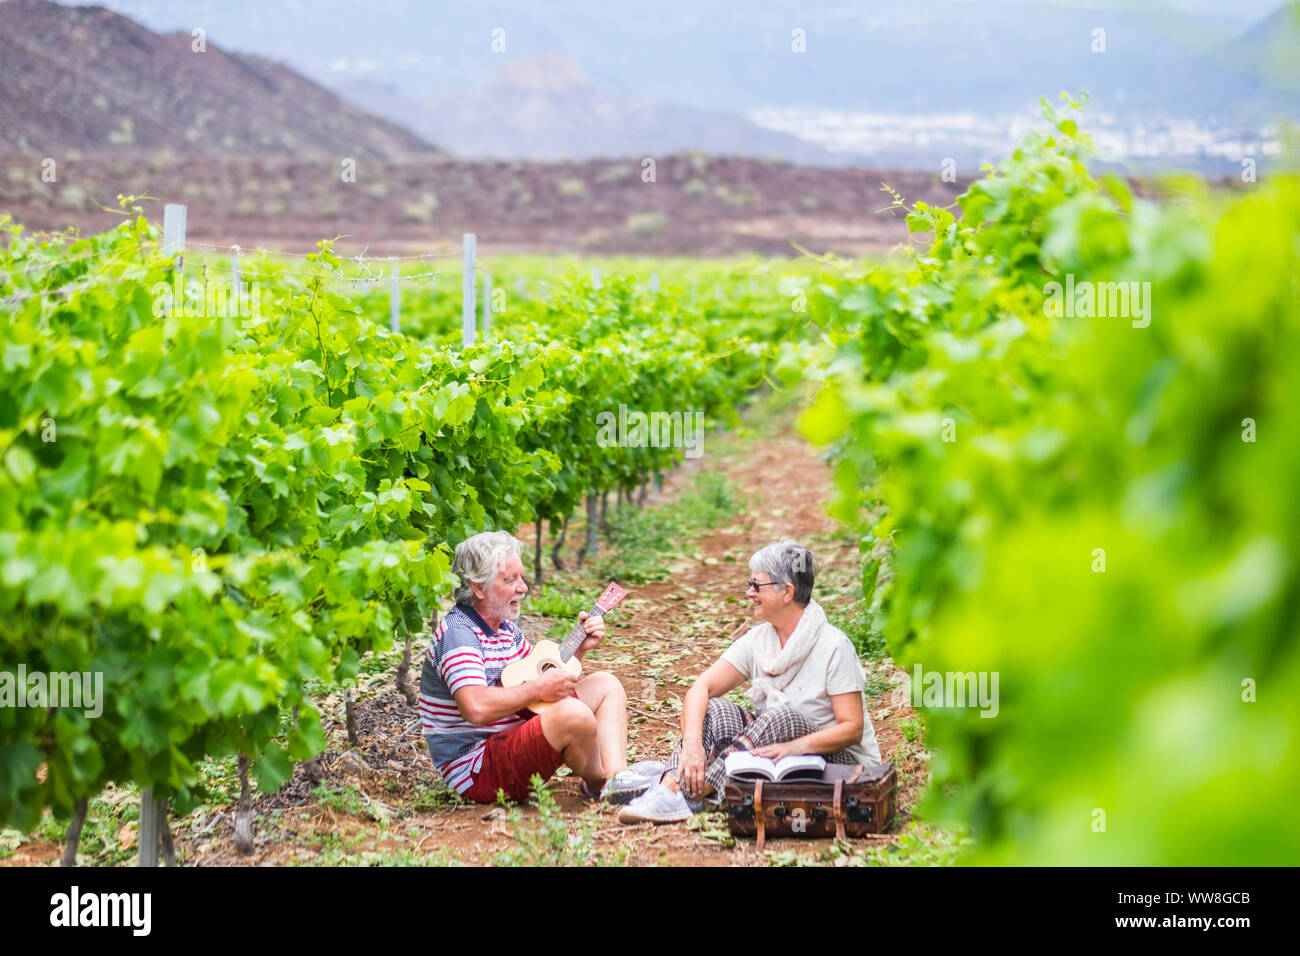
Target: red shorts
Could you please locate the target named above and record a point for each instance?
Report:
(510, 759)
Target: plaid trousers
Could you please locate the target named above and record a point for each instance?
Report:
(729, 727)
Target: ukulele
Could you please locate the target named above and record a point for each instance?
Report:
(547, 654)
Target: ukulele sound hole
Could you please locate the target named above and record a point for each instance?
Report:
(547, 666)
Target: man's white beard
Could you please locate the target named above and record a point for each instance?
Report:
(505, 612)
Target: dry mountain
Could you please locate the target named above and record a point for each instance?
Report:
(86, 78)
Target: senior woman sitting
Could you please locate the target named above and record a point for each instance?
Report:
(806, 690)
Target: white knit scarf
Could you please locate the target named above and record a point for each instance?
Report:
(776, 665)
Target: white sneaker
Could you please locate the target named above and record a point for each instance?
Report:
(626, 785)
(659, 804)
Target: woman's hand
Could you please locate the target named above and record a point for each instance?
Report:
(691, 766)
(777, 751)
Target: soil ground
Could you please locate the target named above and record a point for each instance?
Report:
(700, 207)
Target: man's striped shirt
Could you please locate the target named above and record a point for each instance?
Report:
(464, 652)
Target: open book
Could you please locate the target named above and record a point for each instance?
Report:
(745, 764)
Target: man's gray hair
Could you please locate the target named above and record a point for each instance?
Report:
(478, 559)
(788, 562)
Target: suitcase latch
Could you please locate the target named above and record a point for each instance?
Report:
(744, 811)
(859, 813)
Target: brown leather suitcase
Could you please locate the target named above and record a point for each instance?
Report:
(846, 801)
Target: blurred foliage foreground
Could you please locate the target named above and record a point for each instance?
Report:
(1096, 504)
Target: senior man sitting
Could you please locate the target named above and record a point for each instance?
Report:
(806, 688)
(481, 736)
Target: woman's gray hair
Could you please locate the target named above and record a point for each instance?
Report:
(788, 562)
(478, 559)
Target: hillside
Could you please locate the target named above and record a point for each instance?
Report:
(1270, 49)
(86, 78)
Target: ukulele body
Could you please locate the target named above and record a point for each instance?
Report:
(545, 655)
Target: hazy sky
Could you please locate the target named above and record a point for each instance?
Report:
(1235, 9)
(174, 10)
(707, 53)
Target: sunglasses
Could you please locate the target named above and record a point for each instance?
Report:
(767, 584)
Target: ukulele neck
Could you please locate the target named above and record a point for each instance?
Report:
(579, 634)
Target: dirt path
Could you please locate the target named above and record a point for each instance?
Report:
(389, 806)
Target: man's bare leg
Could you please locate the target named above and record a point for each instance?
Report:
(570, 727)
(603, 693)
